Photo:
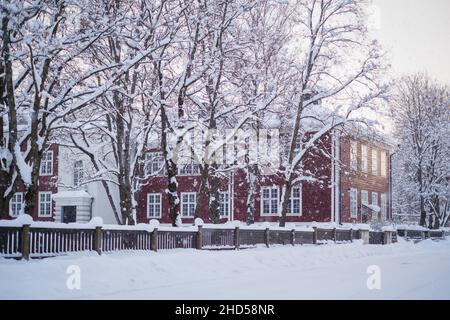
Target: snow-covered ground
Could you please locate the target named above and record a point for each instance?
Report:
(407, 271)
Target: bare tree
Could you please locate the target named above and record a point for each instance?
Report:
(421, 110)
(326, 75)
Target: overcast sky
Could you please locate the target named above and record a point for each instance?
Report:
(416, 34)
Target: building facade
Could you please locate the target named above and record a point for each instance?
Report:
(353, 186)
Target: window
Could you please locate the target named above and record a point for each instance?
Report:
(375, 203)
(269, 201)
(45, 204)
(187, 165)
(383, 163)
(78, 173)
(188, 169)
(374, 161)
(354, 155)
(155, 163)
(295, 203)
(188, 204)
(364, 201)
(383, 206)
(224, 202)
(47, 163)
(364, 159)
(353, 203)
(16, 204)
(154, 205)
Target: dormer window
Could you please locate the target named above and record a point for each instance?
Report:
(47, 163)
(78, 173)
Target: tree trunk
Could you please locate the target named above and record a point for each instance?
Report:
(214, 203)
(423, 213)
(287, 187)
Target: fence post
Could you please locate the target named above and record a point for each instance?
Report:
(406, 234)
(293, 237)
(334, 234)
(154, 240)
(199, 238)
(351, 235)
(315, 235)
(25, 242)
(98, 240)
(236, 238)
(266, 237)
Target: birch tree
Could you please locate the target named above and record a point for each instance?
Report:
(335, 75)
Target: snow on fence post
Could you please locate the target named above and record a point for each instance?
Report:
(236, 238)
(425, 234)
(351, 235)
(364, 236)
(199, 238)
(315, 235)
(25, 247)
(266, 237)
(387, 237)
(334, 234)
(154, 240)
(98, 240)
(293, 237)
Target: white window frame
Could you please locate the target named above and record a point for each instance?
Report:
(46, 193)
(153, 158)
(270, 199)
(363, 202)
(354, 155)
(383, 206)
(374, 196)
(353, 203)
(191, 167)
(374, 152)
(383, 163)
(14, 202)
(364, 158)
(78, 173)
(291, 201)
(154, 204)
(224, 203)
(182, 194)
(44, 164)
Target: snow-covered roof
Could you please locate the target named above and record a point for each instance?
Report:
(372, 207)
(72, 194)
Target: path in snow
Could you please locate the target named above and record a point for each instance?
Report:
(408, 271)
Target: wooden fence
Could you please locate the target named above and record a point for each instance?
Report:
(34, 242)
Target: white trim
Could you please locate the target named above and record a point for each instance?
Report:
(372, 149)
(228, 203)
(353, 194)
(364, 159)
(383, 168)
(159, 195)
(353, 155)
(181, 203)
(261, 204)
(291, 199)
(11, 203)
(51, 167)
(39, 204)
(383, 206)
(363, 203)
(150, 159)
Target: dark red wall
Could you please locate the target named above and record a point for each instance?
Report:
(46, 183)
